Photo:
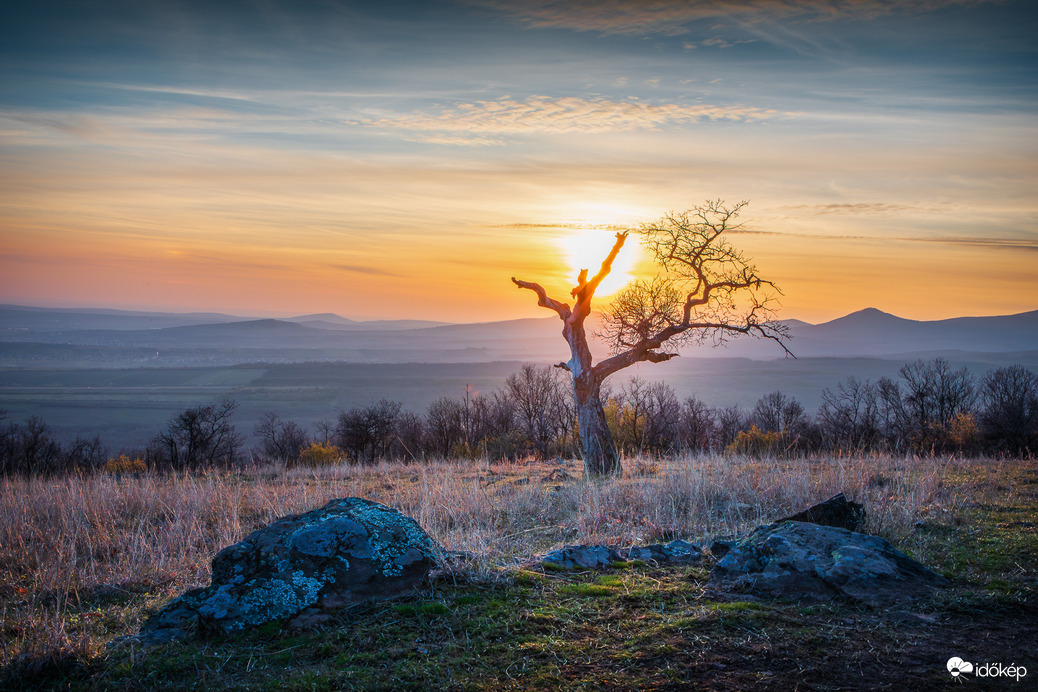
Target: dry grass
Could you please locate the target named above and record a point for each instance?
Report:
(82, 560)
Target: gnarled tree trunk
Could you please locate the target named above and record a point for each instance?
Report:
(596, 440)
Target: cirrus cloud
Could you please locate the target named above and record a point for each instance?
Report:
(671, 17)
(485, 122)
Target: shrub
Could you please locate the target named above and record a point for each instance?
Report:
(755, 443)
(964, 433)
(319, 454)
(124, 464)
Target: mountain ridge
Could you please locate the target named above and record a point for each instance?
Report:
(869, 332)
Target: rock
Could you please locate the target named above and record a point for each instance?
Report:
(586, 556)
(813, 562)
(301, 569)
(677, 552)
(557, 475)
(836, 511)
(720, 546)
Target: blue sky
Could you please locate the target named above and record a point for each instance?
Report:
(406, 159)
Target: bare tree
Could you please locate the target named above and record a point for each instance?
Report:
(728, 423)
(849, 417)
(282, 440)
(410, 436)
(495, 428)
(660, 434)
(445, 425)
(367, 433)
(921, 413)
(777, 412)
(696, 425)
(199, 437)
(540, 406)
(706, 291)
(632, 408)
(1009, 417)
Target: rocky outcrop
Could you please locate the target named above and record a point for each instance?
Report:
(837, 511)
(676, 552)
(812, 562)
(301, 569)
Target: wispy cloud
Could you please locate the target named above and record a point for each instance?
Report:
(672, 17)
(985, 242)
(856, 208)
(486, 121)
(361, 269)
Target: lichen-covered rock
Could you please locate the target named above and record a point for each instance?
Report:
(720, 546)
(677, 552)
(813, 562)
(302, 568)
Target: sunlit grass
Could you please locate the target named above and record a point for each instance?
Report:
(85, 559)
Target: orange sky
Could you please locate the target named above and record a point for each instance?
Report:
(409, 167)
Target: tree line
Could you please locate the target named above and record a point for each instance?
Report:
(929, 409)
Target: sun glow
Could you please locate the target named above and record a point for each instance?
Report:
(586, 248)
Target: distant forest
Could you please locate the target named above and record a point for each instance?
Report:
(929, 409)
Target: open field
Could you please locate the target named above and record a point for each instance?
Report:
(85, 560)
(127, 406)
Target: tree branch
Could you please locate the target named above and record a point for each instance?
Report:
(543, 300)
(585, 290)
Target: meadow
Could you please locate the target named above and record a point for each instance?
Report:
(85, 560)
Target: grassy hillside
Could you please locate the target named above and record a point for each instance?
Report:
(86, 560)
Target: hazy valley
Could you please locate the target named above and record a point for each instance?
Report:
(121, 375)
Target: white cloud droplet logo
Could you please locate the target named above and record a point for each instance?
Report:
(956, 666)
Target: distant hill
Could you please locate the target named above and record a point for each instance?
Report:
(872, 332)
(21, 319)
(33, 319)
(222, 339)
(332, 321)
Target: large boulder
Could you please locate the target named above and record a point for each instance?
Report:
(812, 562)
(301, 569)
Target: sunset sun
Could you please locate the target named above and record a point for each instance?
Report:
(585, 248)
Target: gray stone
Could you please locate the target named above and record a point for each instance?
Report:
(584, 556)
(812, 562)
(836, 511)
(302, 568)
(676, 552)
(720, 546)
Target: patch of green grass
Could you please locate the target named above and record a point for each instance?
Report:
(433, 609)
(588, 590)
(609, 580)
(738, 606)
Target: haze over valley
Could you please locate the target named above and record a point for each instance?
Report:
(121, 375)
